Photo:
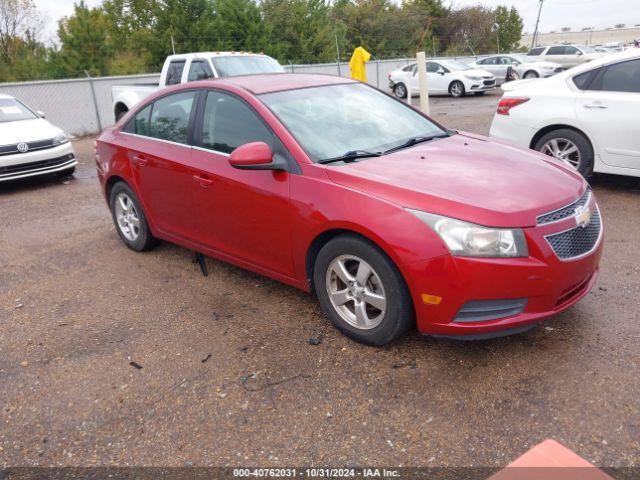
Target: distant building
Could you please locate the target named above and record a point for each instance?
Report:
(624, 35)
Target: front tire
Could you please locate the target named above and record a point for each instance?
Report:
(531, 74)
(361, 291)
(456, 89)
(570, 147)
(129, 219)
(400, 90)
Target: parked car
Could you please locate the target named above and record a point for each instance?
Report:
(388, 217)
(525, 68)
(30, 145)
(566, 55)
(190, 67)
(445, 77)
(586, 117)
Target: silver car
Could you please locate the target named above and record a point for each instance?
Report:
(524, 67)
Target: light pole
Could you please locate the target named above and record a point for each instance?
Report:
(535, 32)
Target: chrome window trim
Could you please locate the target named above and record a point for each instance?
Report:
(178, 144)
(588, 202)
(586, 254)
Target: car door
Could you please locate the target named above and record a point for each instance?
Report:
(160, 157)
(437, 78)
(572, 56)
(242, 213)
(608, 107)
(492, 65)
(556, 54)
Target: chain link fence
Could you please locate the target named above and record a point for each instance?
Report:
(84, 106)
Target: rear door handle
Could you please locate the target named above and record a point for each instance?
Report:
(595, 105)
(204, 182)
(140, 160)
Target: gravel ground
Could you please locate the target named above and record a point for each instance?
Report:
(110, 357)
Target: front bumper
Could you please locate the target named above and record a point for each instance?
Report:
(39, 162)
(546, 284)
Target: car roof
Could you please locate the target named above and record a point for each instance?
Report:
(3, 96)
(277, 82)
(604, 60)
(214, 54)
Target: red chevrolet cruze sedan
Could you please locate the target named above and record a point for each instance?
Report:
(334, 187)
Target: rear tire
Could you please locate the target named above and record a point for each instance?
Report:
(400, 90)
(129, 219)
(362, 291)
(564, 139)
(456, 89)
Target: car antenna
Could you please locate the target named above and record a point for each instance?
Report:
(199, 259)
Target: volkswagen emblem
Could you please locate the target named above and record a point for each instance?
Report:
(23, 147)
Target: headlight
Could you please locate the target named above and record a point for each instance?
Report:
(473, 77)
(60, 139)
(469, 240)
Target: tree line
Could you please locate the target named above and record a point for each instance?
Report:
(134, 36)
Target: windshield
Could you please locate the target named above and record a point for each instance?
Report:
(331, 120)
(12, 110)
(454, 65)
(245, 65)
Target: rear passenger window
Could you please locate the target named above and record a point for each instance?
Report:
(622, 77)
(170, 117)
(559, 50)
(536, 51)
(583, 81)
(141, 122)
(229, 123)
(174, 72)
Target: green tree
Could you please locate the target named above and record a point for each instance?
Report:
(509, 28)
(240, 26)
(85, 42)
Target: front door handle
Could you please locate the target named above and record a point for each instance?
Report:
(204, 182)
(140, 160)
(595, 105)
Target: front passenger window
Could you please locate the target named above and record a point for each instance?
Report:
(229, 123)
(170, 117)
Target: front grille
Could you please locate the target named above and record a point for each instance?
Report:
(489, 82)
(577, 241)
(567, 211)
(11, 170)
(38, 145)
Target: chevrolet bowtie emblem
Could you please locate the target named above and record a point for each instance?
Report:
(583, 216)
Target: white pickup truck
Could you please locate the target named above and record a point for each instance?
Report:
(190, 67)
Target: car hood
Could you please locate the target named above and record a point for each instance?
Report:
(475, 71)
(27, 131)
(468, 177)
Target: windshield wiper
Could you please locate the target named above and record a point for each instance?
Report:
(351, 155)
(421, 139)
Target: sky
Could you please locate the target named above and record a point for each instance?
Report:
(555, 13)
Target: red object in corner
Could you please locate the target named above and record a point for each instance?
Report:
(550, 459)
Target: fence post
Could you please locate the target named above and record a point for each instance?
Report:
(377, 73)
(291, 65)
(95, 100)
(339, 73)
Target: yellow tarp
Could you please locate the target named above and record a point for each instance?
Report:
(356, 64)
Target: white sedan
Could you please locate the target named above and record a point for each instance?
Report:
(586, 117)
(29, 145)
(444, 77)
(525, 68)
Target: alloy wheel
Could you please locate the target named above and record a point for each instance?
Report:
(400, 91)
(356, 292)
(457, 89)
(127, 217)
(564, 150)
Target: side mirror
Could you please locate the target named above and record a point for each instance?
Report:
(256, 156)
(578, 52)
(40, 113)
(440, 71)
